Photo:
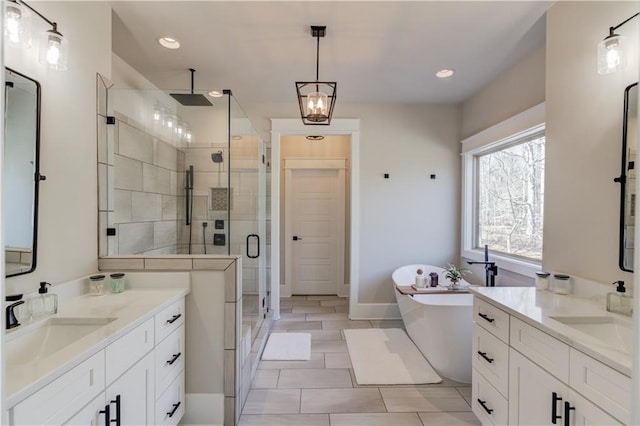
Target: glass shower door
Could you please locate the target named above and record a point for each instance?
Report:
(247, 215)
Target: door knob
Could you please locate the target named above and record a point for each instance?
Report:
(296, 238)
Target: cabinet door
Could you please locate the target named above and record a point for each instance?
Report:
(531, 393)
(585, 413)
(132, 394)
(90, 415)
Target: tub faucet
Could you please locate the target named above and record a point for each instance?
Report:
(490, 268)
(11, 320)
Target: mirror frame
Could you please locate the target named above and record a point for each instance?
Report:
(37, 177)
(622, 179)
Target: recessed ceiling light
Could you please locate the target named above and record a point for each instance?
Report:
(169, 43)
(215, 93)
(445, 73)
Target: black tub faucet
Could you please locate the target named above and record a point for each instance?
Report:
(11, 320)
(490, 268)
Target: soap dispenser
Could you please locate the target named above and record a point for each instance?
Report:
(620, 302)
(44, 303)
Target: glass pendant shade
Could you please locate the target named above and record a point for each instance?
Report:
(316, 100)
(54, 50)
(17, 25)
(317, 107)
(611, 54)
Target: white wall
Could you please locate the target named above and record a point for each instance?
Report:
(584, 131)
(67, 232)
(517, 89)
(408, 218)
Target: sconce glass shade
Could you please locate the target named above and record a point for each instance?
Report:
(188, 135)
(611, 54)
(180, 130)
(157, 114)
(54, 50)
(170, 121)
(316, 100)
(17, 25)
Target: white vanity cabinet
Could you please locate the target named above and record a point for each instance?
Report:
(524, 376)
(136, 380)
(131, 396)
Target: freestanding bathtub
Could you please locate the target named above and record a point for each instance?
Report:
(439, 324)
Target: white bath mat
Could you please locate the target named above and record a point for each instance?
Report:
(288, 347)
(386, 356)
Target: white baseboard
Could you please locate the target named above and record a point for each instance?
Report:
(374, 311)
(203, 409)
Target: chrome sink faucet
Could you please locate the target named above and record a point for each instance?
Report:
(491, 269)
(11, 319)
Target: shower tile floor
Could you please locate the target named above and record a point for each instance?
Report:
(323, 390)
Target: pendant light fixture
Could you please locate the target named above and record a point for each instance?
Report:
(611, 51)
(17, 23)
(317, 98)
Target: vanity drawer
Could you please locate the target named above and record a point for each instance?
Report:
(487, 404)
(169, 319)
(169, 359)
(603, 385)
(170, 405)
(491, 359)
(492, 319)
(58, 401)
(546, 351)
(128, 349)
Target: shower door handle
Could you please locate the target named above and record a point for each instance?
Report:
(257, 237)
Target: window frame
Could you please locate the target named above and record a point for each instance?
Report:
(502, 135)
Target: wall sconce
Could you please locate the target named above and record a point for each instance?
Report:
(317, 98)
(17, 31)
(611, 51)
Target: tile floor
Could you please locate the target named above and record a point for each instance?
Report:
(323, 390)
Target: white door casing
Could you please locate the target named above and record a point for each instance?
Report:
(315, 216)
(339, 126)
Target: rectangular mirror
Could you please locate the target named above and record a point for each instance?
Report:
(627, 178)
(21, 171)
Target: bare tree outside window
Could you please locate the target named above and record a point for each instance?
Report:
(510, 199)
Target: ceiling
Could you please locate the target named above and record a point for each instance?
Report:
(383, 51)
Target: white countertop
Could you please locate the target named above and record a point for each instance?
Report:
(536, 307)
(130, 309)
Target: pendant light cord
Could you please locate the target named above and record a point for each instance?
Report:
(318, 58)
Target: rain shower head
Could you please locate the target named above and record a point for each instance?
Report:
(216, 157)
(191, 99)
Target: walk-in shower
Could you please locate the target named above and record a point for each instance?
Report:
(186, 178)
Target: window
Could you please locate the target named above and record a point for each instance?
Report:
(503, 192)
(510, 197)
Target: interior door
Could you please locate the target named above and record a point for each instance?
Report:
(315, 221)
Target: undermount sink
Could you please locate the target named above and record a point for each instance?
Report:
(612, 331)
(42, 340)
